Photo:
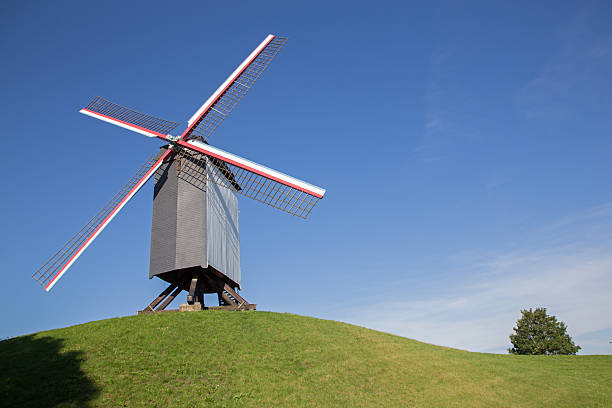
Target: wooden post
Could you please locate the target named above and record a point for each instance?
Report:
(192, 289)
(199, 292)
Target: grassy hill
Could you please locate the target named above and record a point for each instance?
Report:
(261, 359)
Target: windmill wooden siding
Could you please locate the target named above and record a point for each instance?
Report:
(194, 224)
(222, 233)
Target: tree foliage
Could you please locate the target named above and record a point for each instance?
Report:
(538, 333)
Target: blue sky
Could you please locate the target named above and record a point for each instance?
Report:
(465, 149)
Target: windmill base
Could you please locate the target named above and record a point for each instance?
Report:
(197, 282)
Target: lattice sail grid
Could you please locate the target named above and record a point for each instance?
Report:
(245, 182)
(54, 265)
(232, 95)
(108, 108)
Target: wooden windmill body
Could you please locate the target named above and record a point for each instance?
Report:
(195, 233)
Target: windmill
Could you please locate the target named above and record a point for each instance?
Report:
(195, 243)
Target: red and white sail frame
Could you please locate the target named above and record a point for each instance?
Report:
(123, 124)
(256, 168)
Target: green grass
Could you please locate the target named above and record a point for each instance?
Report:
(261, 359)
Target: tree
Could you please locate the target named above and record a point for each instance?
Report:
(538, 333)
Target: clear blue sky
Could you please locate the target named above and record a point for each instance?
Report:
(466, 151)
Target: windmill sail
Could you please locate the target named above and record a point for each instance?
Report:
(54, 268)
(147, 125)
(250, 179)
(226, 97)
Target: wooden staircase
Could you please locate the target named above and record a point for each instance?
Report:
(230, 300)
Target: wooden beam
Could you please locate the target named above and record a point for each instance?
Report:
(214, 285)
(199, 292)
(228, 300)
(236, 296)
(192, 288)
(169, 299)
(249, 306)
(161, 297)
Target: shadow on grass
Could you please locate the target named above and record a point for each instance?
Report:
(34, 372)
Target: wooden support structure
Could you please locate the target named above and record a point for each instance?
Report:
(197, 282)
(230, 300)
(192, 289)
(161, 297)
(169, 299)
